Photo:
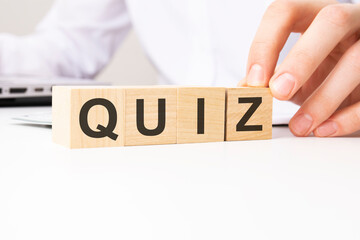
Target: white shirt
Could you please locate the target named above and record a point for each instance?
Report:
(201, 42)
(190, 42)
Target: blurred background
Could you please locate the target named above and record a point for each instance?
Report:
(129, 66)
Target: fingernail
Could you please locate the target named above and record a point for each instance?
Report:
(283, 85)
(256, 76)
(327, 129)
(301, 124)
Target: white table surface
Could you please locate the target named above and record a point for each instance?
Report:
(284, 188)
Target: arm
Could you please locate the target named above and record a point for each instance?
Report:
(77, 38)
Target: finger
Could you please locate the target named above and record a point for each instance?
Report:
(343, 122)
(327, 98)
(281, 18)
(331, 25)
(271, 36)
(314, 81)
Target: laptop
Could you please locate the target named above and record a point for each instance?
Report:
(34, 91)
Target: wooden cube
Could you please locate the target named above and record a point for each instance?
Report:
(249, 114)
(200, 114)
(150, 115)
(87, 117)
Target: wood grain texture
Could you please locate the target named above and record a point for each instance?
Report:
(67, 103)
(209, 113)
(61, 116)
(150, 97)
(159, 115)
(236, 111)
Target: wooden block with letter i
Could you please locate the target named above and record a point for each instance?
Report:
(201, 114)
(249, 114)
(87, 117)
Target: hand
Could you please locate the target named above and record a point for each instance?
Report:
(322, 71)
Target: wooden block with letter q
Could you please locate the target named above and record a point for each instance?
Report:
(200, 114)
(249, 114)
(87, 117)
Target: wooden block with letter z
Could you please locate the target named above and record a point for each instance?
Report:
(200, 114)
(249, 114)
(87, 117)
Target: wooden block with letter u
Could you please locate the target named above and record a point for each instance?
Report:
(87, 117)
(150, 115)
(249, 114)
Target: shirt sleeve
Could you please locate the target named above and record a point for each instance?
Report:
(77, 38)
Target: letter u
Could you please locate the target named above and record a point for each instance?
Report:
(140, 118)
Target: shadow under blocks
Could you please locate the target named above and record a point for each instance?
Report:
(89, 117)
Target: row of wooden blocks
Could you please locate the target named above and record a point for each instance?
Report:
(87, 117)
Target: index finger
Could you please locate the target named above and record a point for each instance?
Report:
(280, 19)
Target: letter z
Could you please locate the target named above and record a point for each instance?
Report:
(241, 126)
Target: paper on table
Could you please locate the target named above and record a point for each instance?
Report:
(40, 118)
(283, 112)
